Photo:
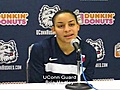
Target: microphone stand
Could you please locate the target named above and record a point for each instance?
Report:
(78, 85)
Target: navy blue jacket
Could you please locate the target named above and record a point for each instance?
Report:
(49, 64)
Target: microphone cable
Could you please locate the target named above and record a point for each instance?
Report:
(84, 74)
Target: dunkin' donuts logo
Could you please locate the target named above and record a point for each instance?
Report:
(117, 50)
(13, 19)
(95, 18)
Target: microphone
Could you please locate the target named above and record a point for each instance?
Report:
(78, 85)
(75, 43)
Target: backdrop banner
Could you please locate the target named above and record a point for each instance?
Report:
(24, 22)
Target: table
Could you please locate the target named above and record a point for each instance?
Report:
(100, 85)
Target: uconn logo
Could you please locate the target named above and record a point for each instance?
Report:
(46, 14)
(98, 45)
(8, 52)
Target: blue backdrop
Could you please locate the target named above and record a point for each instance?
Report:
(24, 22)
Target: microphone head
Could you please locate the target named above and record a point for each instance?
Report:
(75, 41)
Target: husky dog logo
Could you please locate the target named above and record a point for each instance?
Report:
(98, 45)
(8, 52)
(46, 14)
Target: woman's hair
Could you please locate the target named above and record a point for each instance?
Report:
(63, 11)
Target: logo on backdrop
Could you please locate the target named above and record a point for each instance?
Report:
(46, 14)
(98, 45)
(13, 19)
(45, 19)
(117, 50)
(8, 52)
(95, 18)
(8, 56)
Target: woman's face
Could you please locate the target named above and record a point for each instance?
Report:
(66, 27)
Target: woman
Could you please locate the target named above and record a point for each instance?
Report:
(54, 59)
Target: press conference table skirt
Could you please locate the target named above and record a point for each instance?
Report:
(100, 85)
